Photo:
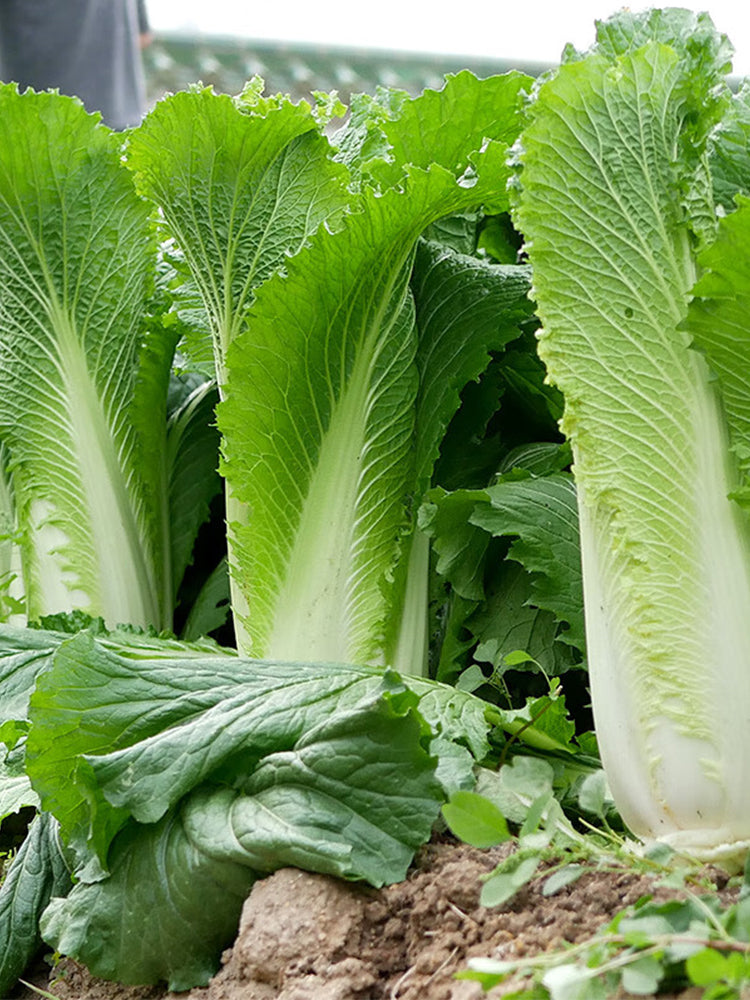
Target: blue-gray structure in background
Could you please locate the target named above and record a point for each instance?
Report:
(175, 61)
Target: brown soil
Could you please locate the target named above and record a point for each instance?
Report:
(309, 937)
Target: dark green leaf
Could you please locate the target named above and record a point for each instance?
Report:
(465, 308)
(165, 912)
(460, 546)
(354, 798)
(542, 513)
(37, 872)
(193, 461)
(211, 608)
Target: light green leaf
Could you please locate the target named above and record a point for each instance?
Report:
(456, 715)
(475, 820)
(678, 951)
(516, 658)
(424, 131)
(242, 183)
(516, 785)
(455, 763)
(320, 459)
(573, 982)
(595, 797)
(706, 967)
(328, 479)
(362, 140)
(704, 50)
(640, 929)
(471, 679)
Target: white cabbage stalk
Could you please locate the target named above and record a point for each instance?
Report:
(668, 642)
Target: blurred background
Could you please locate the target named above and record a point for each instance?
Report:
(349, 47)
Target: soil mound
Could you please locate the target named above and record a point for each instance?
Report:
(310, 937)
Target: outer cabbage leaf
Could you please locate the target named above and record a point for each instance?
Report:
(166, 912)
(124, 729)
(24, 653)
(190, 777)
(15, 788)
(354, 797)
(160, 745)
(107, 670)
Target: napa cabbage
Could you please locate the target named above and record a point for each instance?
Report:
(96, 511)
(334, 402)
(617, 203)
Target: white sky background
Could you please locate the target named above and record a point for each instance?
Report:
(529, 30)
